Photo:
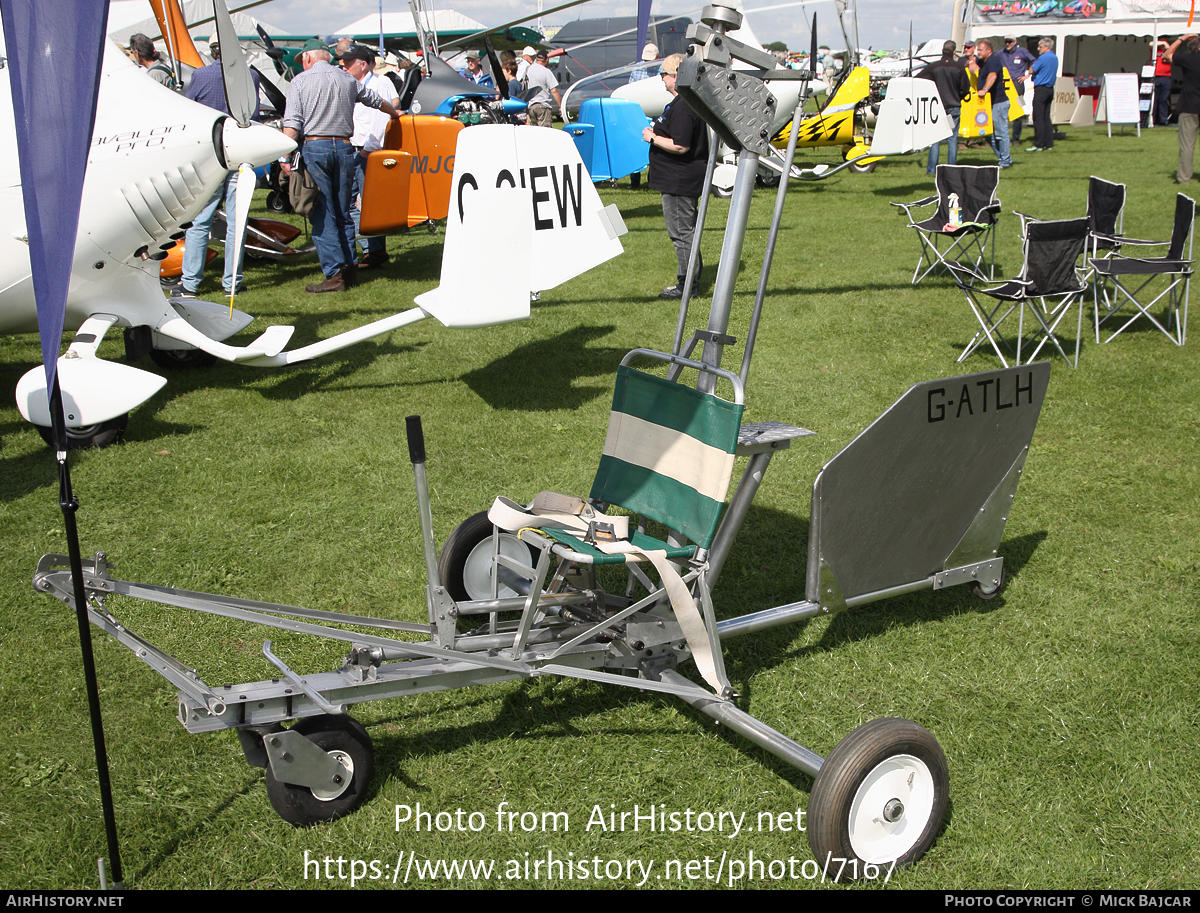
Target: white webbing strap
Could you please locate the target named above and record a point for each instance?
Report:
(511, 517)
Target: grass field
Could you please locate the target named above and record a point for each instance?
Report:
(1067, 707)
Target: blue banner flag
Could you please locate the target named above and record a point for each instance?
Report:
(54, 49)
(643, 26)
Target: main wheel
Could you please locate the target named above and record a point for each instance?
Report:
(465, 564)
(879, 797)
(347, 741)
(174, 359)
(722, 193)
(863, 169)
(277, 201)
(101, 434)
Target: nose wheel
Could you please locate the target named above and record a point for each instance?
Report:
(879, 797)
(336, 782)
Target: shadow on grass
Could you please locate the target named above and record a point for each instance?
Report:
(544, 375)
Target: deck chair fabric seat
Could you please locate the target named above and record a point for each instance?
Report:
(1049, 283)
(1176, 267)
(668, 456)
(967, 246)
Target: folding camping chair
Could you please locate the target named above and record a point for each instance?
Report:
(668, 457)
(1105, 215)
(975, 186)
(1052, 249)
(1174, 267)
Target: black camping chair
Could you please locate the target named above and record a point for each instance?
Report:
(1048, 285)
(1105, 215)
(975, 187)
(1175, 267)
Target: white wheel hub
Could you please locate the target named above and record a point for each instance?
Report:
(891, 809)
(477, 570)
(341, 781)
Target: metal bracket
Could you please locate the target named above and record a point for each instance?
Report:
(362, 664)
(296, 760)
(831, 598)
(982, 538)
(985, 573)
(737, 105)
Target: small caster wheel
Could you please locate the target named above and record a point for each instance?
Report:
(347, 741)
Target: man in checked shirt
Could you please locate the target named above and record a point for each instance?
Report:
(320, 109)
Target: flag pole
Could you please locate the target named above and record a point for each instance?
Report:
(70, 504)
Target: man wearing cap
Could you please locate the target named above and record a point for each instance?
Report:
(527, 57)
(320, 109)
(208, 88)
(953, 86)
(649, 54)
(991, 82)
(1017, 60)
(370, 125)
(678, 155)
(540, 91)
(474, 71)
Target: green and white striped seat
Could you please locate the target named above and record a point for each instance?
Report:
(669, 457)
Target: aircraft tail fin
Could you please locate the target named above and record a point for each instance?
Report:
(484, 284)
(911, 117)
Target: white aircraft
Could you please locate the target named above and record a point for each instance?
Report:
(156, 158)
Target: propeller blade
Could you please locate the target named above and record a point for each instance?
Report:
(239, 85)
(244, 196)
(812, 60)
(262, 33)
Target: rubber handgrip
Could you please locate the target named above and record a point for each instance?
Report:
(416, 439)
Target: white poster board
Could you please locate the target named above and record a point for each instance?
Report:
(1119, 101)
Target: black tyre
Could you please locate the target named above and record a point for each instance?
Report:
(176, 359)
(989, 589)
(863, 169)
(346, 739)
(722, 193)
(768, 180)
(465, 564)
(101, 434)
(879, 798)
(277, 201)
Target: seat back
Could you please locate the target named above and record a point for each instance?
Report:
(1105, 206)
(669, 453)
(976, 188)
(1052, 249)
(1185, 215)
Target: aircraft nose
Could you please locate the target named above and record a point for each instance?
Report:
(257, 144)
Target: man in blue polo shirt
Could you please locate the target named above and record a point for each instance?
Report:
(1045, 73)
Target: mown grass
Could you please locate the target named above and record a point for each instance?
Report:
(1067, 706)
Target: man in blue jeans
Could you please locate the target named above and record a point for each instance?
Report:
(991, 82)
(208, 88)
(320, 107)
(953, 86)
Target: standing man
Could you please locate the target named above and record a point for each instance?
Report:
(1162, 86)
(1184, 52)
(1017, 60)
(475, 73)
(953, 86)
(541, 91)
(370, 125)
(150, 60)
(208, 88)
(678, 155)
(1045, 73)
(527, 57)
(991, 82)
(320, 109)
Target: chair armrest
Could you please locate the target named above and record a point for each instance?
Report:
(906, 206)
(1117, 239)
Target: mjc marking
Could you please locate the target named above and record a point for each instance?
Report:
(567, 191)
(420, 165)
(982, 397)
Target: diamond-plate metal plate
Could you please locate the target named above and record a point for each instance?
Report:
(738, 106)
